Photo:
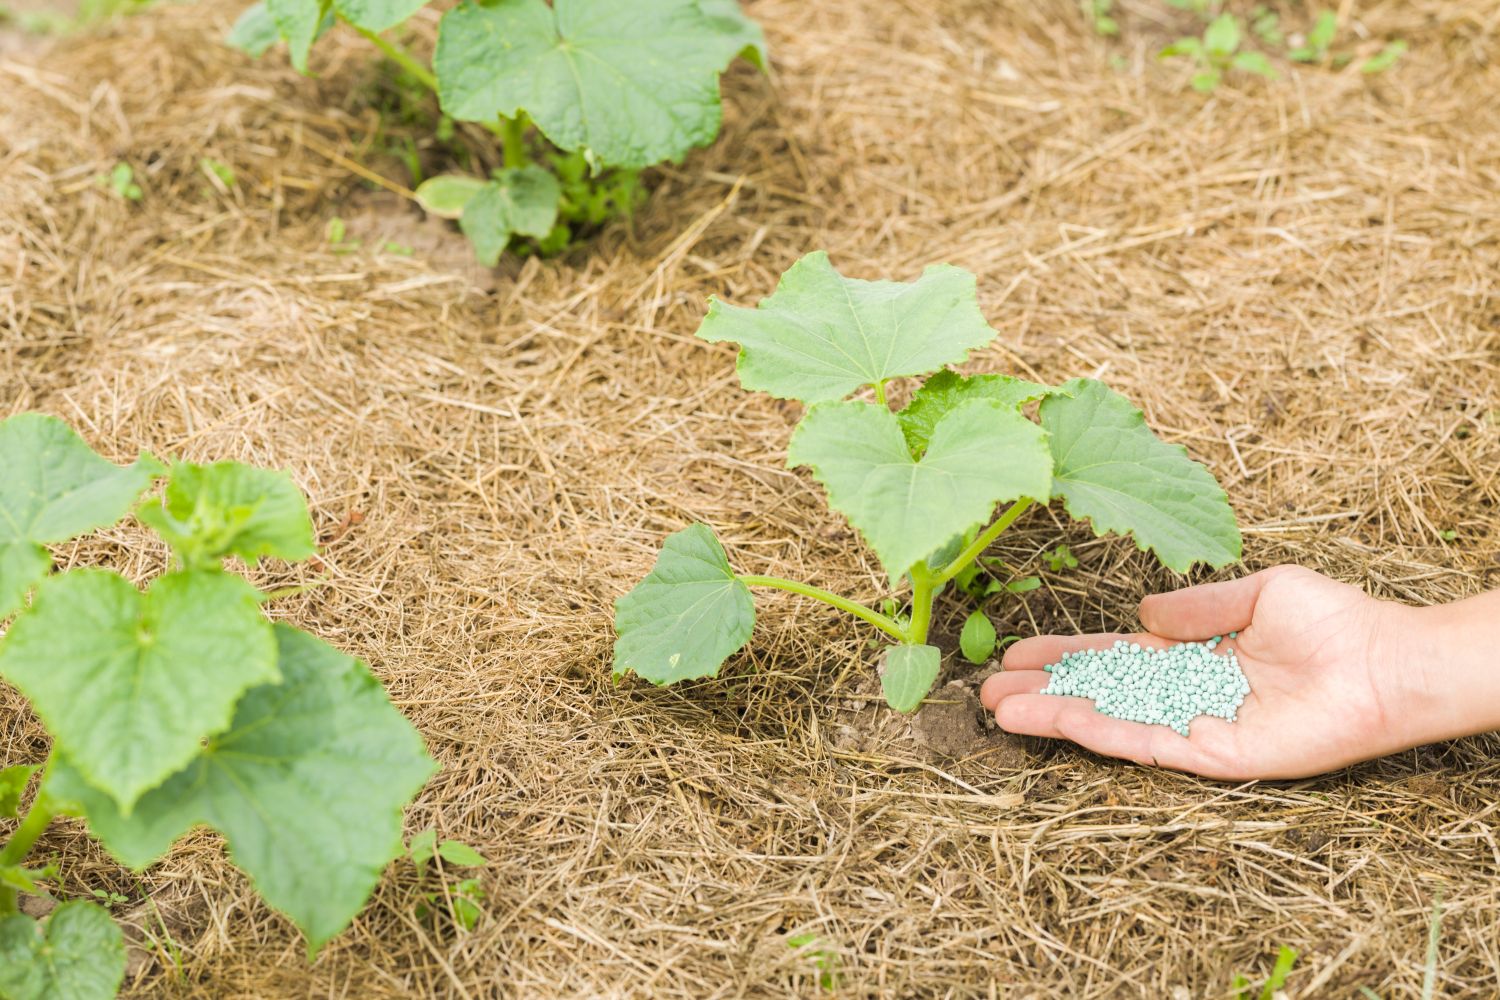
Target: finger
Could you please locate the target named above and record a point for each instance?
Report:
(1208, 609)
(1075, 719)
(1043, 650)
(1009, 682)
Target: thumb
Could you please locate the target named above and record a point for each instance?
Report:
(1208, 609)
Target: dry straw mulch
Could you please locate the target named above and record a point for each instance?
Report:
(1296, 279)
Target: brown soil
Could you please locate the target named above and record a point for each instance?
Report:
(1294, 278)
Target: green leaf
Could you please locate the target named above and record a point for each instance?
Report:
(977, 640)
(422, 846)
(1024, 585)
(22, 564)
(307, 787)
(1324, 29)
(300, 22)
(1222, 36)
(79, 954)
(26, 879)
(1182, 47)
(255, 31)
(907, 674)
(1114, 472)
(1254, 62)
(460, 854)
(377, 15)
(1385, 58)
(520, 200)
(981, 453)
(631, 84)
(729, 19)
(948, 389)
(446, 194)
(820, 336)
(129, 684)
(1206, 81)
(54, 488)
(212, 511)
(12, 786)
(687, 616)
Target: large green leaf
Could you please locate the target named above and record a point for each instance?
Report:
(687, 616)
(730, 20)
(254, 31)
(307, 787)
(519, 201)
(302, 22)
(631, 84)
(981, 453)
(13, 782)
(53, 487)
(211, 511)
(821, 335)
(1114, 472)
(907, 674)
(948, 389)
(78, 954)
(377, 15)
(129, 684)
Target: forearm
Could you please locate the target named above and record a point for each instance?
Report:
(1453, 656)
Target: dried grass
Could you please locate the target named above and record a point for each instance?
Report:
(1295, 279)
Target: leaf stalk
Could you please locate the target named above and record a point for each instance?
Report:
(983, 541)
(36, 820)
(399, 56)
(880, 621)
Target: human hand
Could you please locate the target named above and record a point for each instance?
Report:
(1336, 677)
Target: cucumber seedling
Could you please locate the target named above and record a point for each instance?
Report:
(921, 485)
(180, 706)
(604, 89)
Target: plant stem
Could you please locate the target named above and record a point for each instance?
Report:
(924, 588)
(880, 621)
(982, 542)
(880, 392)
(513, 140)
(37, 817)
(400, 57)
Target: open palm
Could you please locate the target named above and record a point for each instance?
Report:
(1318, 654)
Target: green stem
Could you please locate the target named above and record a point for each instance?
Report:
(982, 542)
(513, 140)
(37, 817)
(400, 57)
(880, 392)
(880, 621)
(924, 587)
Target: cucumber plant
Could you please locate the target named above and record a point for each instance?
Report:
(602, 89)
(181, 705)
(921, 485)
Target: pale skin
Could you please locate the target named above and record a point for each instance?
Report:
(1336, 677)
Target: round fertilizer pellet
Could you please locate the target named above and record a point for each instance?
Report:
(1169, 686)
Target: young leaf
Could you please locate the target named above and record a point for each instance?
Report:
(1385, 58)
(1222, 36)
(977, 640)
(300, 22)
(212, 511)
(1025, 585)
(947, 389)
(422, 847)
(1188, 46)
(1114, 472)
(307, 787)
(821, 335)
(981, 453)
(255, 31)
(460, 854)
(520, 200)
(129, 684)
(1250, 61)
(54, 488)
(907, 674)
(687, 616)
(79, 954)
(446, 194)
(12, 786)
(631, 84)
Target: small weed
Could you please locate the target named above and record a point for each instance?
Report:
(121, 180)
(337, 234)
(1314, 47)
(221, 175)
(1100, 14)
(822, 959)
(1286, 958)
(109, 899)
(1217, 52)
(1061, 558)
(461, 899)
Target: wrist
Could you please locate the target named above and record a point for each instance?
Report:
(1445, 661)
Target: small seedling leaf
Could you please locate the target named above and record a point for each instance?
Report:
(307, 787)
(1025, 585)
(254, 32)
(1254, 62)
(1385, 58)
(212, 511)
(820, 336)
(12, 786)
(981, 453)
(54, 488)
(422, 847)
(977, 640)
(947, 389)
(1114, 472)
(446, 194)
(460, 854)
(519, 201)
(78, 954)
(130, 684)
(1222, 36)
(907, 674)
(630, 84)
(687, 616)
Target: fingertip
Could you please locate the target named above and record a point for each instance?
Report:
(989, 691)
